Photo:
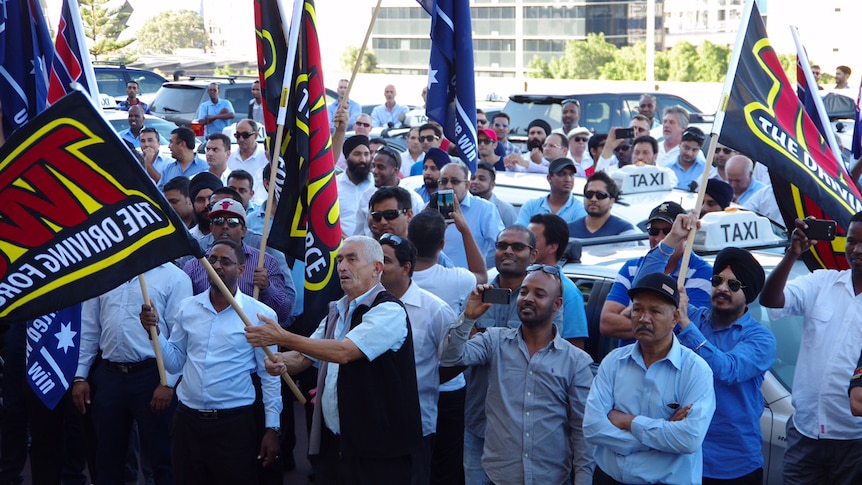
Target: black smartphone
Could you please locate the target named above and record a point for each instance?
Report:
(497, 296)
(821, 230)
(623, 133)
(446, 203)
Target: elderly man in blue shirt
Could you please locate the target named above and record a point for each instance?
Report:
(737, 348)
(651, 402)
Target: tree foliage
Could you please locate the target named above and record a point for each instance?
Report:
(629, 63)
(103, 26)
(171, 30)
(583, 58)
(368, 64)
(538, 68)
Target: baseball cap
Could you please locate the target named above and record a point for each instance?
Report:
(559, 164)
(666, 211)
(659, 284)
(489, 133)
(227, 207)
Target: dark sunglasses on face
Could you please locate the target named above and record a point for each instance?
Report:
(428, 138)
(653, 231)
(622, 148)
(516, 246)
(726, 151)
(242, 135)
(359, 123)
(598, 194)
(486, 141)
(389, 215)
(581, 139)
(501, 125)
(232, 222)
(732, 285)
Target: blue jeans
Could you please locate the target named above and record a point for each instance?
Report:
(474, 474)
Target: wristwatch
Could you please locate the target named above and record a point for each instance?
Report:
(275, 428)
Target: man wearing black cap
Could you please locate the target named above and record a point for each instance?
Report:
(651, 403)
(737, 348)
(615, 320)
(560, 201)
(717, 196)
(354, 181)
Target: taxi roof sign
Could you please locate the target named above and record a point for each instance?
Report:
(634, 179)
(733, 227)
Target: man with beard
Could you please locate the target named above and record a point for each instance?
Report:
(353, 181)
(651, 403)
(571, 116)
(482, 185)
(201, 187)
(737, 348)
(362, 126)
(537, 385)
(687, 167)
(600, 193)
(435, 160)
(385, 167)
(824, 438)
(533, 159)
(560, 201)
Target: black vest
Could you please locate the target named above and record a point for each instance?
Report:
(378, 401)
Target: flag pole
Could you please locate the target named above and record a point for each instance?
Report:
(701, 191)
(216, 280)
(154, 333)
(275, 147)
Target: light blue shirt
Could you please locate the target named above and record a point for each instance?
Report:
(172, 170)
(130, 137)
(423, 192)
(574, 313)
(380, 116)
(754, 187)
(111, 322)
(573, 210)
(383, 328)
(210, 350)
(353, 112)
(485, 224)
(655, 450)
(254, 221)
(684, 177)
(212, 109)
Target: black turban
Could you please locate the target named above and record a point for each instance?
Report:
(746, 269)
(721, 191)
(438, 156)
(354, 141)
(541, 124)
(203, 180)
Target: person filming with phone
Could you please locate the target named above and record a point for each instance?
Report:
(507, 328)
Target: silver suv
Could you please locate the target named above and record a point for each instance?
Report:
(178, 101)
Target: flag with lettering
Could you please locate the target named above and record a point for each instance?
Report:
(26, 53)
(306, 225)
(762, 117)
(271, 57)
(78, 214)
(857, 127)
(451, 98)
(71, 68)
(53, 341)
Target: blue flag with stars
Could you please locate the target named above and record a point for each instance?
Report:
(451, 98)
(53, 342)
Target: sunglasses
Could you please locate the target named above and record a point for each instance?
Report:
(691, 135)
(481, 122)
(244, 136)
(622, 148)
(653, 231)
(516, 246)
(581, 139)
(445, 181)
(726, 151)
(548, 269)
(428, 138)
(389, 215)
(391, 238)
(572, 101)
(598, 194)
(389, 152)
(486, 141)
(501, 125)
(232, 222)
(359, 123)
(732, 285)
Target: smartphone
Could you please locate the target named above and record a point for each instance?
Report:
(623, 133)
(821, 230)
(497, 296)
(446, 203)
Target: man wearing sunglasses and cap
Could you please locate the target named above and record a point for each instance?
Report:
(616, 319)
(651, 403)
(737, 348)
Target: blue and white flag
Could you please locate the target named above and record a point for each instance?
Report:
(451, 98)
(26, 53)
(810, 98)
(71, 68)
(53, 342)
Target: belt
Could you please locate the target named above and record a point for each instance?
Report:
(130, 367)
(213, 414)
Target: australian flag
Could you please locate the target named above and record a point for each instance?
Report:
(26, 52)
(53, 341)
(72, 59)
(857, 128)
(451, 98)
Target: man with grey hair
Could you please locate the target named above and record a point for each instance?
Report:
(367, 421)
(675, 120)
(250, 157)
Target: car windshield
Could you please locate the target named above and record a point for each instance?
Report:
(163, 127)
(177, 99)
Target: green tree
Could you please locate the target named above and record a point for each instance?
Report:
(629, 63)
(712, 61)
(788, 63)
(538, 68)
(583, 58)
(682, 58)
(171, 30)
(103, 26)
(368, 64)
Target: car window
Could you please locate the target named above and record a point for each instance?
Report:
(664, 101)
(178, 99)
(788, 335)
(111, 83)
(239, 96)
(596, 115)
(148, 82)
(522, 114)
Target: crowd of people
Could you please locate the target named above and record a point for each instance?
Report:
(429, 370)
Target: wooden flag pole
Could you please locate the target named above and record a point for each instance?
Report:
(154, 334)
(701, 191)
(216, 280)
